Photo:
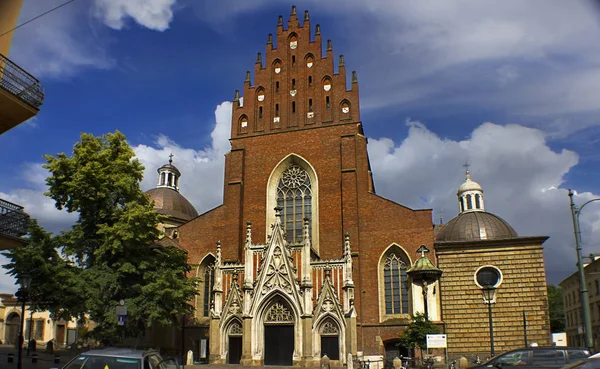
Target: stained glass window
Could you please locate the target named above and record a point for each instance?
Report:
(396, 286)
(294, 196)
(209, 277)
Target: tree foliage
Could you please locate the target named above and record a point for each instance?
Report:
(556, 308)
(113, 243)
(54, 281)
(415, 335)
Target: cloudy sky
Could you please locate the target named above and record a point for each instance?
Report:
(510, 86)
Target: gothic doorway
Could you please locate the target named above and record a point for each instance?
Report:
(12, 328)
(392, 350)
(279, 335)
(234, 352)
(279, 344)
(330, 340)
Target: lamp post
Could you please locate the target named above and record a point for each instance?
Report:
(585, 298)
(22, 294)
(488, 278)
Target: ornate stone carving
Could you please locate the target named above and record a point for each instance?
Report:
(277, 274)
(328, 305)
(294, 177)
(279, 313)
(236, 329)
(329, 328)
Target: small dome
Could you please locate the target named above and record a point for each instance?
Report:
(170, 202)
(469, 185)
(474, 226)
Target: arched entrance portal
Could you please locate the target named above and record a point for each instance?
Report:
(392, 350)
(12, 328)
(234, 352)
(279, 335)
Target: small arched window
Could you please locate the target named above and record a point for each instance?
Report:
(309, 81)
(276, 110)
(260, 112)
(293, 83)
(461, 203)
(310, 105)
(277, 86)
(396, 285)
(293, 106)
(469, 202)
(477, 201)
(327, 102)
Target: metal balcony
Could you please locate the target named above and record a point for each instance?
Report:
(14, 223)
(21, 95)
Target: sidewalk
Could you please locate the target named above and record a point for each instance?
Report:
(45, 360)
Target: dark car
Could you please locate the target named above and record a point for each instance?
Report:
(120, 358)
(536, 357)
(589, 363)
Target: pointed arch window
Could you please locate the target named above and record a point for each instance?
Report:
(396, 286)
(294, 196)
(209, 278)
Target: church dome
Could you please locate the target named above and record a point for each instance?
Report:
(475, 226)
(166, 196)
(170, 202)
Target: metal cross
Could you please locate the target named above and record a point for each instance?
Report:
(466, 165)
(171, 158)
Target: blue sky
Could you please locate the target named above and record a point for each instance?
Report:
(511, 87)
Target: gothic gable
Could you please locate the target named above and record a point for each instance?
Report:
(234, 303)
(277, 273)
(328, 304)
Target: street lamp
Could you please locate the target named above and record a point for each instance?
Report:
(22, 294)
(488, 278)
(585, 298)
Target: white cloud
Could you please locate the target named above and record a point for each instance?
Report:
(152, 14)
(521, 175)
(66, 41)
(201, 170)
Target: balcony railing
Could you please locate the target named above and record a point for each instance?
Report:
(20, 83)
(13, 220)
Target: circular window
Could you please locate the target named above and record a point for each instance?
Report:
(488, 276)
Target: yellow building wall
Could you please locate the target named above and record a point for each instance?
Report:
(9, 15)
(523, 289)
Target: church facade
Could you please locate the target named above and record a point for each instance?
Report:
(303, 258)
(308, 255)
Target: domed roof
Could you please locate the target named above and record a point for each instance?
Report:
(474, 226)
(469, 185)
(170, 202)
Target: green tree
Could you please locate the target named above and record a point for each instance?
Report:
(54, 281)
(556, 308)
(113, 240)
(416, 333)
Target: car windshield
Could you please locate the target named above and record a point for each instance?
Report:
(103, 362)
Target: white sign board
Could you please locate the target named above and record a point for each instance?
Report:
(436, 341)
(121, 310)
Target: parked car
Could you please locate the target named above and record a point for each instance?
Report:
(592, 362)
(120, 358)
(537, 357)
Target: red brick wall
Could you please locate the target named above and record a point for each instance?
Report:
(337, 150)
